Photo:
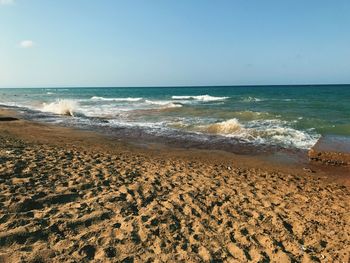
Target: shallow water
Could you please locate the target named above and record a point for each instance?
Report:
(283, 116)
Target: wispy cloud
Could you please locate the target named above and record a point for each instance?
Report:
(26, 44)
(7, 2)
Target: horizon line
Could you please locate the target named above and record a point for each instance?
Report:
(175, 86)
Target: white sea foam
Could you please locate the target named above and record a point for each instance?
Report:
(61, 107)
(231, 126)
(279, 133)
(113, 110)
(199, 98)
(275, 132)
(163, 103)
(95, 98)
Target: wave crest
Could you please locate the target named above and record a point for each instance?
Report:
(273, 132)
(226, 127)
(95, 98)
(61, 107)
(199, 98)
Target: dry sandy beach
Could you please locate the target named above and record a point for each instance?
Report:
(74, 196)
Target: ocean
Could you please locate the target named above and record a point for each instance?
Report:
(290, 117)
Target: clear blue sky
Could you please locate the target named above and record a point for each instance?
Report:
(173, 42)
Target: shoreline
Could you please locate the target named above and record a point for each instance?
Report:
(68, 194)
(283, 160)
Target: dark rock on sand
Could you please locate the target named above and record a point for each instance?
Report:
(8, 118)
(111, 252)
(88, 251)
(26, 205)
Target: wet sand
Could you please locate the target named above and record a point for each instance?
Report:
(331, 150)
(76, 196)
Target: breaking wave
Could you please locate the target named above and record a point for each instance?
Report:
(263, 131)
(226, 127)
(95, 98)
(199, 98)
(61, 107)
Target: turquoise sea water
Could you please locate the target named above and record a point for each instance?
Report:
(287, 116)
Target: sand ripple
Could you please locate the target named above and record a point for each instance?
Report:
(61, 204)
